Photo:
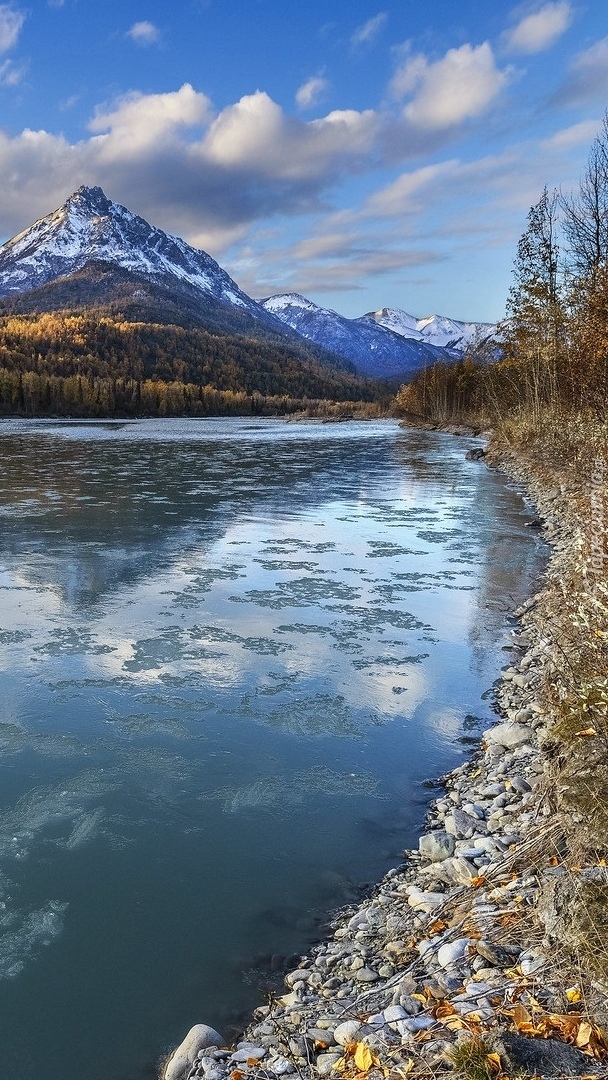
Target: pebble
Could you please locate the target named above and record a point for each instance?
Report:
(453, 951)
(347, 1032)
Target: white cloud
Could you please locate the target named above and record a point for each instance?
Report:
(579, 134)
(255, 133)
(11, 74)
(459, 86)
(404, 194)
(541, 29)
(11, 22)
(366, 33)
(311, 92)
(138, 121)
(143, 33)
(588, 76)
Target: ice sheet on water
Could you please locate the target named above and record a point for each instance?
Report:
(289, 545)
(33, 931)
(14, 637)
(303, 592)
(317, 714)
(286, 564)
(73, 642)
(383, 549)
(264, 646)
(273, 792)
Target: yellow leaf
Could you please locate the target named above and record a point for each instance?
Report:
(403, 1070)
(419, 997)
(363, 1057)
(574, 994)
(584, 1033)
(586, 731)
(494, 1062)
(340, 1065)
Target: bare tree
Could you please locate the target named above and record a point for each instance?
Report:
(585, 215)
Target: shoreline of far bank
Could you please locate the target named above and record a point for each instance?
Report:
(460, 958)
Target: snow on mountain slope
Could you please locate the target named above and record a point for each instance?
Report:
(374, 349)
(91, 227)
(436, 329)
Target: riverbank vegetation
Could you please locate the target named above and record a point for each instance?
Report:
(544, 401)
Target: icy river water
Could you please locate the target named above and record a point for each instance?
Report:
(231, 652)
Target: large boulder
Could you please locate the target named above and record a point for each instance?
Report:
(436, 846)
(181, 1061)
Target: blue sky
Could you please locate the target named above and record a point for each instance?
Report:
(364, 154)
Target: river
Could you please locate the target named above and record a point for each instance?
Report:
(232, 652)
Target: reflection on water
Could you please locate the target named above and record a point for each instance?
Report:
(231, 652)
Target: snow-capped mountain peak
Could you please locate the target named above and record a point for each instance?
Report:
(89, 226)
(451, 334)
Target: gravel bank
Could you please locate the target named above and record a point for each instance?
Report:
(451, 950)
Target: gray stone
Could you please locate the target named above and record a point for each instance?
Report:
(507, 735)
(436, 846)
(325, 1063)
(462, 825)
(282, 1067)
(366, 975)
(453, 951)
(494, 954)
(183, 1058)
(542, 1057)
(520, 785)
(393, 1013)
(424, 901)
(244, 1053)
(347, 1032)
(460, 870)
(320, 1035)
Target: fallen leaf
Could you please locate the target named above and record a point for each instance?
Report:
(520, 1015)
(477, 881)
(554, 861)
(443, 1009)
(437, 927)
(586, 732)
(364, 1059)
(419, 997)
(494, 1062)
(573, 994)
(583, 1035)
(403, 1070)
(340, 1065)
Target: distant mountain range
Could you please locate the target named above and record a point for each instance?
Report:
(93, 254)
(385, 344)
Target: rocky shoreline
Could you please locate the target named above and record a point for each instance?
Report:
(448, 963)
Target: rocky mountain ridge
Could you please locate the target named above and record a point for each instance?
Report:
(94, 253)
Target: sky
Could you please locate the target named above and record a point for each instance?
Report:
(364, 154)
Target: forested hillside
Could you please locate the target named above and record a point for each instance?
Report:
(97, 363)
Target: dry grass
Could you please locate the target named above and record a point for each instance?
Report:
(568, 455)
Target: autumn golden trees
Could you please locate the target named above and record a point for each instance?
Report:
(553, 352)
(98, 364)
